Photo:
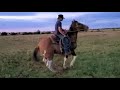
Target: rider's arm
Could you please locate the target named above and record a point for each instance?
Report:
(60, 28)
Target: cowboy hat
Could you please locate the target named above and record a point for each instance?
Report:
(61, 16)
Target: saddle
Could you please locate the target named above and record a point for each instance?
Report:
(56, 40)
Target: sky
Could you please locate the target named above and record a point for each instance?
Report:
(45, 21)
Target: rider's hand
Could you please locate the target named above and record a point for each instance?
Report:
(64, 35)
(64, 29)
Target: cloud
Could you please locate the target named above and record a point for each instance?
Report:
(55, 14)
(108, 21)
(45, 16)
(45, 21)
(105, 23)
(33, 29)
(51, 28)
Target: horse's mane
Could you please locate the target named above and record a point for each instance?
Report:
(72, 30)
(71, 26)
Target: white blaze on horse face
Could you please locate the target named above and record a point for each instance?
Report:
(64, 66)
(72, 62)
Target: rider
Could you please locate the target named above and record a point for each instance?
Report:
(61, 33)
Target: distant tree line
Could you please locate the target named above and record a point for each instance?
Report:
(24, 33)
(48, 32)
(102, 29)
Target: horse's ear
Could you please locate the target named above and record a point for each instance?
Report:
(73, 20)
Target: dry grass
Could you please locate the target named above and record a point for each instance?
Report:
(98, 56)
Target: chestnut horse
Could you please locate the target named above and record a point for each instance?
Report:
(47, 47)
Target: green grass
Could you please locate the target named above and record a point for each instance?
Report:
(98, 57)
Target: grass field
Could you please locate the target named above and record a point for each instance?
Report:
(98, 57)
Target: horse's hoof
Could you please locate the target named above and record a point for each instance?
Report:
(54, 71)
(65, 68)
(71, 66)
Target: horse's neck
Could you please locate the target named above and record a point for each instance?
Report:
(71, 34)
(71, 29)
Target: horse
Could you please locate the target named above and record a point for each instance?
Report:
(47, 47)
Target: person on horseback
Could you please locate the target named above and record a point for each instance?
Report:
(61, 34)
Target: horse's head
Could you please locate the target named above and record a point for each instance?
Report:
(74, 26)
(72, 33)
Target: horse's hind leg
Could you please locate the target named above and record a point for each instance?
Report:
(44, 59)
(49, 65)
(47, 59)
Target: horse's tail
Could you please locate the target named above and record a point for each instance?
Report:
(35, 54)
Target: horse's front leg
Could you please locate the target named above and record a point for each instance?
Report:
(64, 63)
(74, 58)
